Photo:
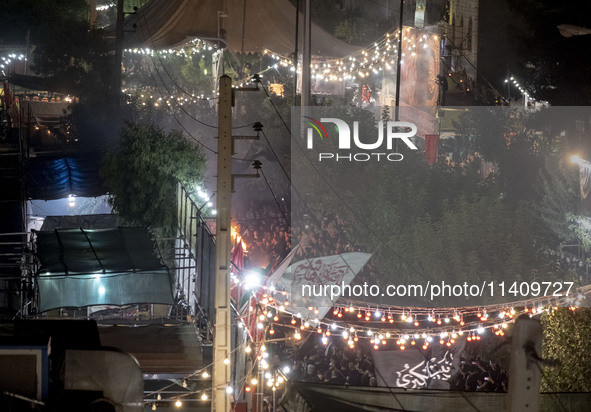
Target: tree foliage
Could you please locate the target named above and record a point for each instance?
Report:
(143, 172)
(559, 199)
(78, 60)
(566, 341)
(40, 18)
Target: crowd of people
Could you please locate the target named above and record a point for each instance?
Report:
(266, 234)
(566, 261)
(477, 375)
(334, 364)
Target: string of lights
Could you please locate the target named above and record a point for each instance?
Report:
(385, 327)
(379, 57)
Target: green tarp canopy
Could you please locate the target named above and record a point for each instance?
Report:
(81, 268)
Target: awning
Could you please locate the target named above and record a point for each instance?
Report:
(41, 83)
(81, 268)
(50, 178)
(262, 25)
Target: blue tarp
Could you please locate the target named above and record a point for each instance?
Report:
(50, 178)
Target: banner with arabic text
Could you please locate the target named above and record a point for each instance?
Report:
(318, 282)
(416, 369)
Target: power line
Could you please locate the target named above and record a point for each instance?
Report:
(275, 198)
(342, 201)
(177, 85)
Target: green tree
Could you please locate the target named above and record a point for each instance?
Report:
(559, 199)
(143, 172)
(566, 341)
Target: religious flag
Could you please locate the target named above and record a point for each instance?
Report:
(319, 282)
(237, 257)
(280, 270)
(416, 369)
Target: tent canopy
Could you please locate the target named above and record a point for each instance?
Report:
(81, 267)
(57, 177)
(251, 26)
(40, 83)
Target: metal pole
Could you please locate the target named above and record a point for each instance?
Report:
(222, 339)
(118, 54)
(307, 55)
(27, 54)
(398, 62)
(92, 14)
(295, 52)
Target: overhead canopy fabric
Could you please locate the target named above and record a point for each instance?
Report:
(50, 178)
(99, 267)
(40, 83)
(262, 25)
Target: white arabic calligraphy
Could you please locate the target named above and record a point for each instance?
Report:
(425, 371)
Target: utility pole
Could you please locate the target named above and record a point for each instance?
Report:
(222, 342)
(295, 52)
(118, 54)
(92, 14)
(307, 54)
(399, 62)
(222, 346)
(525, 367)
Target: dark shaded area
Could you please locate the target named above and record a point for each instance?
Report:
(72, 251)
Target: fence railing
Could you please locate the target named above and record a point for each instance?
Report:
(195, 261)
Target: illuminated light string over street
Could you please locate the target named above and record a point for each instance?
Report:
(493, 316)
(445, 326)
(147, 98)
(379, 57)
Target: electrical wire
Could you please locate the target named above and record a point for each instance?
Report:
(275, 198)
(339, 197)
(177, 85)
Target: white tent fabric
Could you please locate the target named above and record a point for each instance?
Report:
(244, 25)
(119, 289)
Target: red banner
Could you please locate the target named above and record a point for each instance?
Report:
(431, 141)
